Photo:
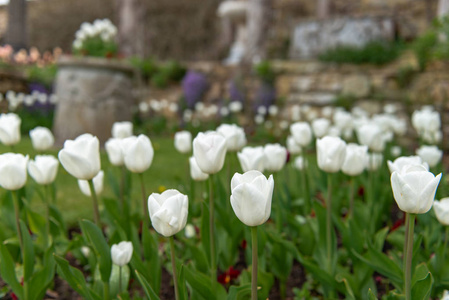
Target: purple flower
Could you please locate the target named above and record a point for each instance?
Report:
(194, 85)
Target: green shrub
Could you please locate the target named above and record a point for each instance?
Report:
(44, 75)
(265, 71)
(147, 66)
(423, 48)
(346, 101)
(376, 53)
(405, 76)
(173, 71)
(95, 46)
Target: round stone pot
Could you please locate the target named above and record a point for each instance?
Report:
(92, 94)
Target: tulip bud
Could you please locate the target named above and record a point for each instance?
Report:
(41, 138)
(331, 152)
(302, 133)
(195, 171)
(251, 195)
(252, 158)
(114, 150)
(81, 157)
(43, 169)
(300, 163)
(292, 146)
(320, 127)
(121, 253)
(400, 162)
(275, 157)
(98, 184)
(10, 129)
(355, 157)
(168, 212)
(234, 135)
(209, 150)
(395, 151)
(138, 153)
(13, 171)
(414, 189)
(189, 231)
(430, 154)
(121, 130)
(372, 136)
(183, 141)
(441, 209)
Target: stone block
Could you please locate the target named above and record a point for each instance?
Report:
(356, 85)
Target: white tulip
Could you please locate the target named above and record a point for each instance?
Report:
(441, 209)
(41, 138)
(355, 157)
(138, 153)
(195, 171)
(331, 152)
(430, 154)
(292, 146)
(302, 133)
(300, 163)
(121, 130)
(43, 169)
(252, 158)
(403, 161)
(275, 157)
(10, 129)
(121, 253)
(13, 171)
(114, 149)
(251, 196)
(168, 212)
(414, 189)
(209, 150)
(183, 141)
(320, 127)
(371, 135)
(81, 157)
(374, 161)
(234, 135)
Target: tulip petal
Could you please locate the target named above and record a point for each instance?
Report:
(77, 166)
(248, 204)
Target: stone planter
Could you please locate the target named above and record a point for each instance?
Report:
(92, 93)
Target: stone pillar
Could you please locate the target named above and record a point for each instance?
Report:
(92, 93)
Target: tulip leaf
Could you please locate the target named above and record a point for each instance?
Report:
(199, 282)
(146, 287)
(74, 278)
(98, 242)
(58, 220)
(239, 292)
(199, 257)
(7, 271)
(41, 279)
(371, 295)
(382, 264)
(205, 233)
(422, 282)
(28, 252)
(115, 277)
(182, 284)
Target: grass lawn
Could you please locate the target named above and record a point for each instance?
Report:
(168, 170)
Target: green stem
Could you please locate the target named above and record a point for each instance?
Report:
(213, 265)
(106, 290)
(409, 254)
(17, 214)
(404, 256)
(95, 202)
(120, 279)
(254, 263)
(122, 186)
(329, 222)
(144, 200)
(305, 187)
(351, 197)
(47, 225)
(173, 265)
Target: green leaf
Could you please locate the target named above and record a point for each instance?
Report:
(41, 279)
(58, 220)
(28, 252)
(205, 233)
(239, 292)
(199, 282)
(147, 287)
(7, 271)
(95, 237)
(422, 289)
(75, 278)
(182, 284)
(115, 277)
(371, 295)
(349, 292)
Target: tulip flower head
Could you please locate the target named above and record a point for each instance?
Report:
(300, 163)
(320, 127)
(183, 141)
(195, 171)
(234, 135)
(331, 153)
(121, 130)
(371, 135)
(441, 209)
(138, 153)
(414, 188)
(292, 146)
(209, 150)
(121, 253)
(41, 138)
(252, 158)
(275, 157)
(114, 150)
(13, 171)
(168, 212)
(10, 129)
(43, 169)
(403, 161)
(355, 157)
(251, 195)
(81, 157)
(430, 154)
(98, 184)
(302, 133)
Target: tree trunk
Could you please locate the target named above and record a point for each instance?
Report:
(132, 32)
(322, 9)
(16, 34)
(258, 22)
